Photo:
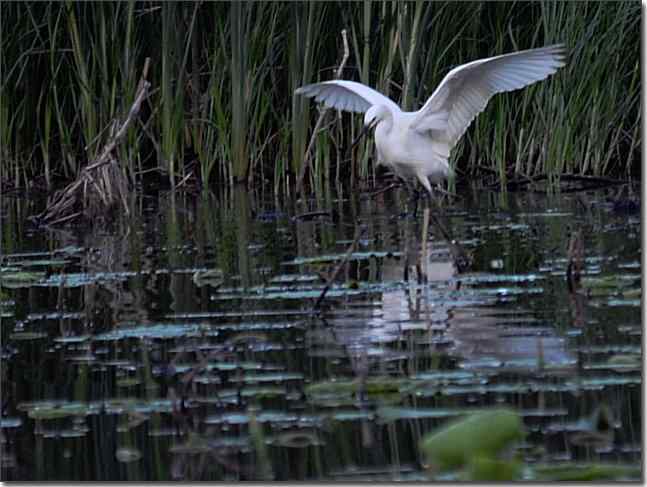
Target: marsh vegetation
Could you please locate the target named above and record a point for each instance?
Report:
(221, 107)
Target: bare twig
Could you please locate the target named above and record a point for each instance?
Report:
(382, 190)
(65, 218)
(132, 114)
(184, 180)
(306, 156)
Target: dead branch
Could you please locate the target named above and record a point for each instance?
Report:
(306, 156)
(380, 191)
(108, 184)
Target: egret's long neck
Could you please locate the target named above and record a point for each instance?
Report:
(386, 123)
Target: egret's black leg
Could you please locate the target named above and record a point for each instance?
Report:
(414, 201)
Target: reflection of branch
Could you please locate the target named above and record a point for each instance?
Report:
(461, 259)
(424, 258)
(577, 307)
(411, 291)
(573, 276)
(359, 231)
(575, 261)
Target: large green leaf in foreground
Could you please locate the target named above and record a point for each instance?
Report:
(480, 435)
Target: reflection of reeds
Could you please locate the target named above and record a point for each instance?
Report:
(226, 74)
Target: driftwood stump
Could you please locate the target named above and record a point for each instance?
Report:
(102, 184)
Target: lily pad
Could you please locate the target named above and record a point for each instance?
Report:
(41, 263)
(162, 330)
(295, 278)
(579, 472)
(296, 439)
(212, 277)
(128, 454)
(27, 335)
(625, 362)
(59, 411)
(20, 279)
(326, 259)
(342, 387)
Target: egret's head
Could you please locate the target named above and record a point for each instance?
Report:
(374, 115)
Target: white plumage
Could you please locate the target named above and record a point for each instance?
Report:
(417, 144)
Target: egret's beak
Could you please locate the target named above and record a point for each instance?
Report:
(363, 133)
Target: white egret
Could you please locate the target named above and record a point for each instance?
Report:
(418, 144)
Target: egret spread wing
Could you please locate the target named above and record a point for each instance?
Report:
(346, 95)
(466, 90)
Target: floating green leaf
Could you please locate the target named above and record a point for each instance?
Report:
(377, 385)
(579, 472)
(20, 279)
(162, 330)
(296, 439)
(212, 277)
(128, 454)
(41, 263)
(59, 411)
(325, 259)
(27, 335)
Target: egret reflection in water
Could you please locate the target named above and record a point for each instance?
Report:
(453, 314)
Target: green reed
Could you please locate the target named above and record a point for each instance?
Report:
(306, 22)
(239, 18)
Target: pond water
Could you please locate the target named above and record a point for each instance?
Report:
(183, 343)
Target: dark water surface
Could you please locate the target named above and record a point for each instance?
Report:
(180, 343)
